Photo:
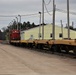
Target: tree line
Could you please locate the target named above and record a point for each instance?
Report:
(71, 28)
(21, 26)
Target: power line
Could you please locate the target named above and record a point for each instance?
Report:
(60, 10)
(46, 8)
(4, 20)
(64, 11)
(30, 14)
(8, 15)
(17, 15)
(22, 15)
(48, 2)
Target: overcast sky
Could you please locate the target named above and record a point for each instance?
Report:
(24, 7)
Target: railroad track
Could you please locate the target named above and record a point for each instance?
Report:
(63, 54)
(45, 50)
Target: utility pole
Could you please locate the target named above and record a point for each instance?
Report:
(13, 24)
(42, 19)
(61, 28)
(10, 26)
(40, 26)
(17, 23)
(73, 24)
(68, 19)
(20, 21)
(53, 31)
(20, 18)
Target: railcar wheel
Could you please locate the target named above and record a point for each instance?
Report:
(40, 46)
(53, 49)
(66, 49)
(58, 48)
(74, 50)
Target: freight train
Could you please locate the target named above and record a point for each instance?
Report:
(33, 38)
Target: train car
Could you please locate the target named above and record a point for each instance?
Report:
(14, 35)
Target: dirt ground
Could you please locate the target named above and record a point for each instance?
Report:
(22, 61)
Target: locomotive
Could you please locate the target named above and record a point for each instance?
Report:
(14, 34)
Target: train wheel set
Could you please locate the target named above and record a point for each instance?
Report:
(52, 45)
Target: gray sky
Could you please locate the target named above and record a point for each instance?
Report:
(23, 7)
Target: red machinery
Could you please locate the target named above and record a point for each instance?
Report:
(14, 35)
